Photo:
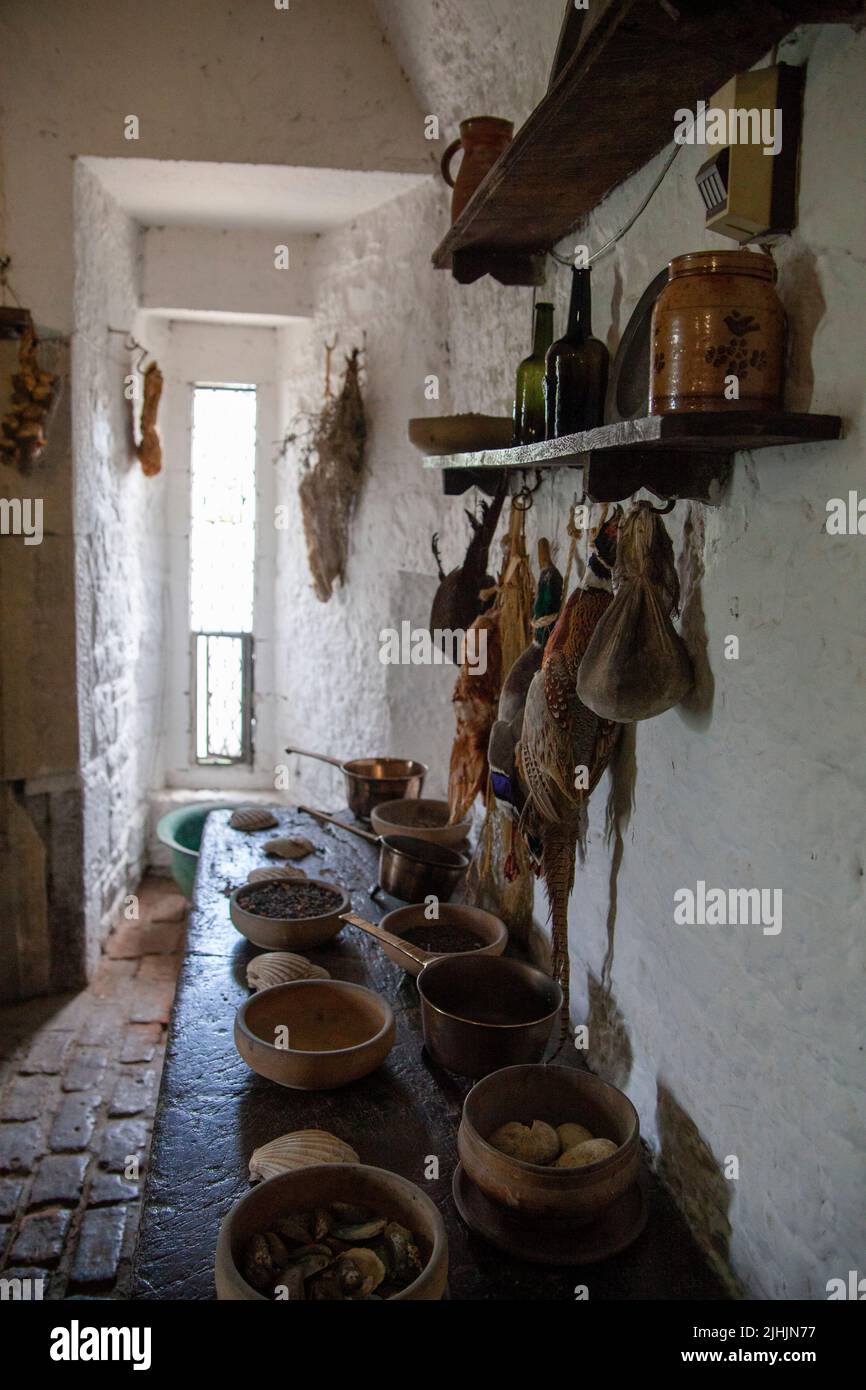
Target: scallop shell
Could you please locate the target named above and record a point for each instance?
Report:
(280, 968)
(289, 847)
(278, 871)
(303, 1148)
(252, 818)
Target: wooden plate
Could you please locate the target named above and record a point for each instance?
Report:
(435, 435)
(553, 1244)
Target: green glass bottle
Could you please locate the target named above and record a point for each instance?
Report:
(575, 375)
(529, 394)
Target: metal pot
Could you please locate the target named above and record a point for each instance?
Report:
(370, 781)
(409, 869)
(478, 1013)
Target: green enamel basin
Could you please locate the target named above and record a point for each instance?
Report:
(182, 830)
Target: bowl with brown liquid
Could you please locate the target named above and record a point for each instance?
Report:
(314, 1035)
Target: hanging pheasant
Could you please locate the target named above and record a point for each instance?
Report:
(565, 748)
(505, 734)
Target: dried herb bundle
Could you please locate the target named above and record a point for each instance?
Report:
(34, 391)
(332, 455)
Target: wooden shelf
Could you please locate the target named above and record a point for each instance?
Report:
(610, 110)
(683, 456)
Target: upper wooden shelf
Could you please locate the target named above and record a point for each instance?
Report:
(610, 110)
(687, 455)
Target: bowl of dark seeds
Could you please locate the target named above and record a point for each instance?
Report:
(454, 930)
(287, 914)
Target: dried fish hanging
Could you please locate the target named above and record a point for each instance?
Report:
(565, 748)
(332, 462)
(149, 450)
(475, 698)
(516, 588)
(575, 533)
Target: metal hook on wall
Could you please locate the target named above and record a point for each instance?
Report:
(522, 499)
(132, 344)
(329, 350)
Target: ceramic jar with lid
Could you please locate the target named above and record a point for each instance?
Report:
(718, 335)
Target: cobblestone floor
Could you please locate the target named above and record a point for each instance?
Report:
(79, 1076)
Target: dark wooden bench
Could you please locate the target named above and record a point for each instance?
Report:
(213, 1111)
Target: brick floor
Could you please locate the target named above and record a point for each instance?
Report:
(79, 1076)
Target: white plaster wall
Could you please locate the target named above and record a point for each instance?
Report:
(723, 1037)
(120, 565)
(335, 696)
(220, 271)
(208, 80)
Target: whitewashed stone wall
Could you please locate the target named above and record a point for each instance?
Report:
(336, 696)
(731, 1042)
(121, 564)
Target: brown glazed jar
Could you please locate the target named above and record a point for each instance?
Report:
(718, 316)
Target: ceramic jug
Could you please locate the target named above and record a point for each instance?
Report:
(718, 335)
(482, 139)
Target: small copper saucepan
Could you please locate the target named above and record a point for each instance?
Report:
(371, 781)
(409, 869)
(479, 1013)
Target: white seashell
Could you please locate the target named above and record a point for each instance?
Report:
(303, 1148)
(252, 818)
(289, 847)
(280, 968)
(278, 871)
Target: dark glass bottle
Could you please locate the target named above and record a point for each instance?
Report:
(575, 375)
(529, 393)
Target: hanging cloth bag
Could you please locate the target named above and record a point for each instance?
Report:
(636, 664)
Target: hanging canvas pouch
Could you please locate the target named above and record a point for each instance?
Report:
(636, 664)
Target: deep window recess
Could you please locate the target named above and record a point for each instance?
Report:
(222, 571)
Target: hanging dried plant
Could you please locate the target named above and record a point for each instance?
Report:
(332, 462)
(34, 392)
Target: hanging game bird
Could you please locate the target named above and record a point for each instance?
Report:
(505, 734)
(565, 748)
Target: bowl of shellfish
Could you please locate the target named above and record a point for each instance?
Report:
(335, 1232)
(286, 914)
(550, 1141)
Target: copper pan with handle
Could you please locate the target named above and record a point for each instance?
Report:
(371, 781)
(409, 869)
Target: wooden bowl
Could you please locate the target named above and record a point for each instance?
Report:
(318, 1186)
(337, 1032)
(289, 933)
(489, 929)
(558, 1095)
(407, 817)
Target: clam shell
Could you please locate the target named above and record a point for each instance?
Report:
(303, 1148)
(289, 847)
(280, 968)
(278, 871)
(252, 818)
